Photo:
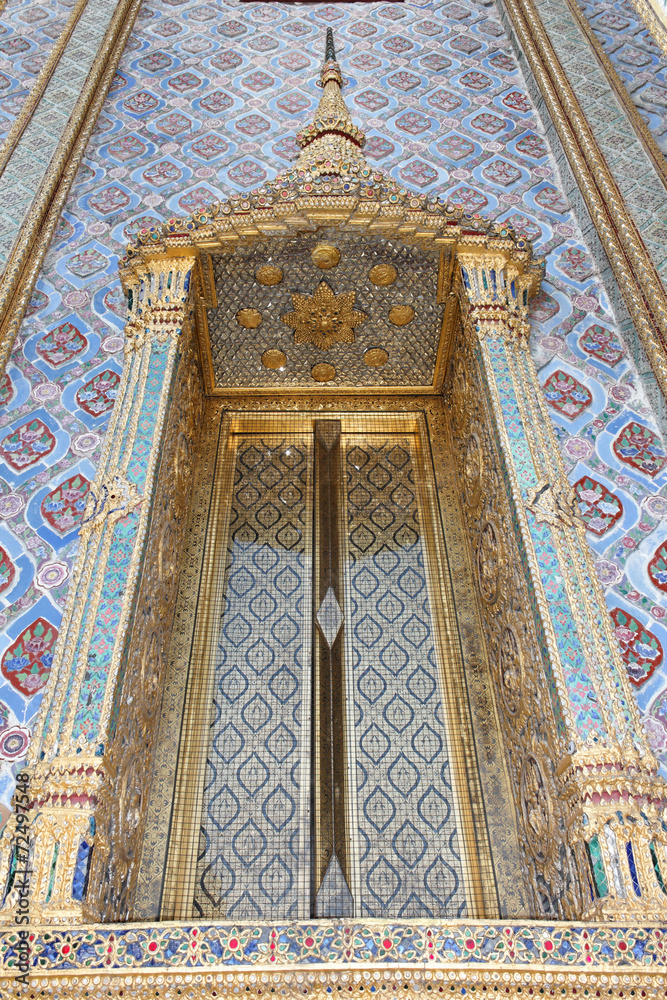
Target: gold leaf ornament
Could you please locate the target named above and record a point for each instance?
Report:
(323, 372)
(383, 274)
(323, 318)
(401, 315)
(269, 274)
(375, 357)
(274, 359)
(325, 256)
(249, 318)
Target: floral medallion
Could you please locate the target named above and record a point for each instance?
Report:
(639, 447)
(7, 571)
(27, 662)
(640, 649)
(61, 345)
(602, 344)
(28, 444)
(6, 389)
(598, 508)
(323, 318)
(568, 396)
(63, 507)
(98, 396)
(657, 567)
(14, 743)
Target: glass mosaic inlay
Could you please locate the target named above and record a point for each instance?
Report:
(396, 776)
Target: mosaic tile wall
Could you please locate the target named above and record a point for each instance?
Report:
(637, 58)
(206, 101)
(28, 31)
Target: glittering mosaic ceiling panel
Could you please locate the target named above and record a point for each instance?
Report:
(411, 348)
(205, 103)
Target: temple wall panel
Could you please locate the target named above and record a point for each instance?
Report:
(29, 32)
(205, 104)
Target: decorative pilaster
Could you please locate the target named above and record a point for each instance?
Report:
(70, 765)
(610, 799)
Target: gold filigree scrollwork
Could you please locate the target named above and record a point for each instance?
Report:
(324, 318)
(536, 807)
(472, 470)
(553, 503)
(511, 670)
(490, 561)
(524, 708)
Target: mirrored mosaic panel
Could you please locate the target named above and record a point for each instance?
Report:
(410, 857)
(365, 307)
(253, 861)
(336, 781)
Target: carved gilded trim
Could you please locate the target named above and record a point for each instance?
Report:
(159, 984)
(147, 901)
(633, 268)
(179, 876)
(39, 86)
(39, 225)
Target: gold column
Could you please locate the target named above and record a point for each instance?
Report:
(72, 775)
(610, 798)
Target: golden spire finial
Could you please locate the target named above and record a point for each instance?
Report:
(331, 144)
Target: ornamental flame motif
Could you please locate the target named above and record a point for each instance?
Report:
(323, 318)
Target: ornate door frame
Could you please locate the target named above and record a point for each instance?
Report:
(588, 797)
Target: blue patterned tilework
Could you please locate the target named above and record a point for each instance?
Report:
(407, 800)
(254, 856)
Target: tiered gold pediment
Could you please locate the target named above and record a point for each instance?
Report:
(390, 252)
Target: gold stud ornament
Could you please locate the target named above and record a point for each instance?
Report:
(323, 372)
(375, 357)
(274, 359)
(400, 315)
(249, 318)
(269, 274)
(325, 256)
(383, 274)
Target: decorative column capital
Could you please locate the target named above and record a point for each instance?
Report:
(157, 289)
(498, 283)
